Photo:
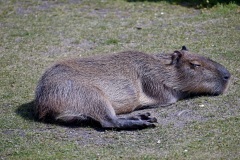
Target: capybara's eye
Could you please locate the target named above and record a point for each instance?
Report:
(195, 64)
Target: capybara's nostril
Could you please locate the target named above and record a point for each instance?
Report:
(225, 73)
(226, 77)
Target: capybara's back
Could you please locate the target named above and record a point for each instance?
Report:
(102, 87)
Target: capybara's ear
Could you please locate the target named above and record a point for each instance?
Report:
(184, 48)
(176, 56)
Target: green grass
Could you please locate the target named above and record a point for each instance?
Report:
(34, 34)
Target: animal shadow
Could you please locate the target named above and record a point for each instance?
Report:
(26, 111)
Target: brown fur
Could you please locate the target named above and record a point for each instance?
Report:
(102, 87)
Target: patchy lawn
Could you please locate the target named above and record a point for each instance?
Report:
(34, 34)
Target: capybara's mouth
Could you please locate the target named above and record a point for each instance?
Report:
(226, 86)
(223, 90)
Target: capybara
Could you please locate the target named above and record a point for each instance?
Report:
(102, 87)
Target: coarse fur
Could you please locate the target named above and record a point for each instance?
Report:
(102, 87)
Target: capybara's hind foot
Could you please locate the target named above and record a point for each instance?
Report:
(145, 117)
(139, 121)
(135, 124)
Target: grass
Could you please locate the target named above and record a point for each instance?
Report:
(34, 34)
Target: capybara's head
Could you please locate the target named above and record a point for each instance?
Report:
(199, 75)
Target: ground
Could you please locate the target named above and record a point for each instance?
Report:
(35, 34)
